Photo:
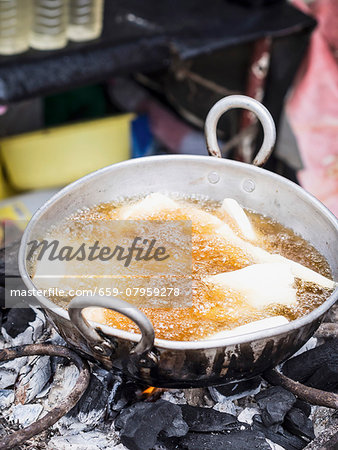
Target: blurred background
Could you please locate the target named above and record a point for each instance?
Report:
(87, 83)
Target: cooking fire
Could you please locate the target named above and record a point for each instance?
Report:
(114, 412)
(168, 225)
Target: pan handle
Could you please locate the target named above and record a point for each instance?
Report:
(241, 101)
(96, 342)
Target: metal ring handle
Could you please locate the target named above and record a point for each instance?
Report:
(98, 343)
(49, 419)
(241, 101)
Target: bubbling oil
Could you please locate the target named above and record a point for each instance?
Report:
(213, 310)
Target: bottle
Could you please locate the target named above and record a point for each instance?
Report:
(49, 28)
(15, 21)
(85, 19)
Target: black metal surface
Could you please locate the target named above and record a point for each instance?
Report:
(141, 36)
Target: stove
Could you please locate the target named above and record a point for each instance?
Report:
(51, 398)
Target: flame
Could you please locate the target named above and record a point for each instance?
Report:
(151, 394)
(149, 390)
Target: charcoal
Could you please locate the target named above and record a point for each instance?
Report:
(198, 397)
(174, 396)
(6, 398)
(91, 440)
(177, 428)
(9, 371)
(309, 345)
(141, 423)
(63, 383)
(273, 445)
(332, 314)
(33, 377)
(235, 440)
(279, 435)
(302, 367)
(239, 389)
(105, 376)
(332, 443)
(208, 420)
(225, 406)
(91, 408)
(55, 339)
(304, 406)
(44, 391)
(115, 402)
(327, 440)
(246, 416)
(3, 296)
(18, 330)
(123, 393)
(325, 377)
(18, 320)
(299, 424)
(26, 414)
(9, 261)
(274, 402)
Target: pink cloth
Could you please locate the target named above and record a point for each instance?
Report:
(313, 106)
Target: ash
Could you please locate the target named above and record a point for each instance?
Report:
(115, 414)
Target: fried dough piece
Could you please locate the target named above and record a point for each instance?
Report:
(257, 325)
(237, 213)
(205, 222)
(260, 284)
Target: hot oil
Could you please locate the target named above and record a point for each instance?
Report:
(213, 310)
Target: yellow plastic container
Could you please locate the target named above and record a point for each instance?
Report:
(5, 190)
(57, 156)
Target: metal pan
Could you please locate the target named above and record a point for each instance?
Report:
(166, 363)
